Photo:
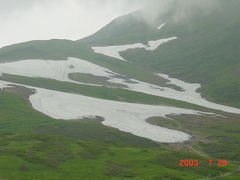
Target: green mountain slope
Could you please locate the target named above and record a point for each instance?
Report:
(207, 49)
(123, 30)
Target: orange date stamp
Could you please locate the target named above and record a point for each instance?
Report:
(195, 163)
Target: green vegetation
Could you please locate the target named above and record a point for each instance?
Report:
(91, 79)
(218, 137)
(126, 29)
(49, 157)
(207, 52)
(163, 122)
(29, 149)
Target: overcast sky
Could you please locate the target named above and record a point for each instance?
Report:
(24, 20)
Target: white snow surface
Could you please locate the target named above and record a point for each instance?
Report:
(53, 69)
(3, 85)
(114, 51)
(191, 95)
(126, 117)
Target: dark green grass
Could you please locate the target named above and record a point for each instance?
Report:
(91, 79)
(219, 136)
(35, 156)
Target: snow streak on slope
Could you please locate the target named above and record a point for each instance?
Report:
(126, 117)
(114, 51)
(123, 116)
(59, 70)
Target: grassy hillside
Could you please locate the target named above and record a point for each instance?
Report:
(34, 146)
(123, 30)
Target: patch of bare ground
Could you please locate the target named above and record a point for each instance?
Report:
(21, 91)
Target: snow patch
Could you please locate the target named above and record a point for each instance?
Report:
(53, 69)
(114, 51)
(126, 117)
(3, 85)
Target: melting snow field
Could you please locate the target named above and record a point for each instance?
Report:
(123, 116)
(126, 117)
(59, 70)
(114, 51)
(51, 69)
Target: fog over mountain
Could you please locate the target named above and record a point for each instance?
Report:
(46, 19)
(183, 9)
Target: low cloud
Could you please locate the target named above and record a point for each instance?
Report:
(74, 19)
(64, 19)
(180, 10)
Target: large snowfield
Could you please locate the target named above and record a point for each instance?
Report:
(127, 117)
(60, 69)
(123, 116)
